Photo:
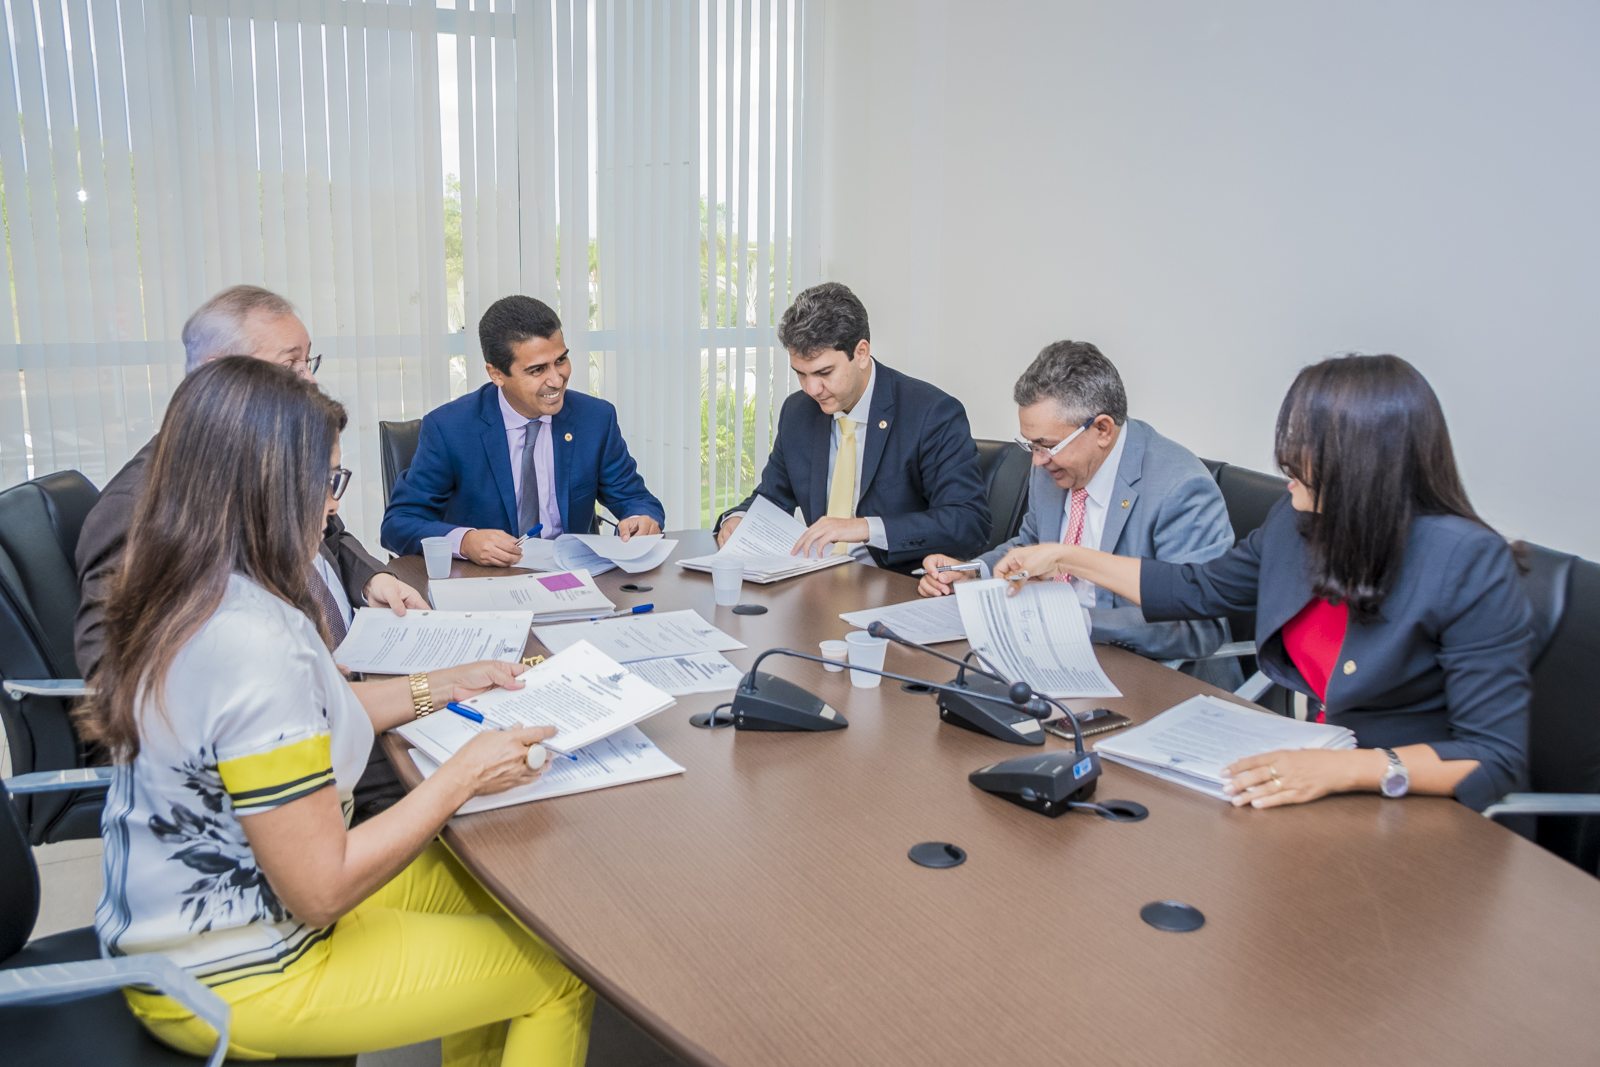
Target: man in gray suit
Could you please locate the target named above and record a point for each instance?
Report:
(1105, 480)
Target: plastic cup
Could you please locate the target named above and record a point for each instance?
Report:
(866, 651)
(436, 553)
(835, 650)
(727, 579)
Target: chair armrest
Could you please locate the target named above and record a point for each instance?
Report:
(1254, 686)
(62, 983)
(59, 781)
(46, 687)
(1544, 804)
(1233, 650)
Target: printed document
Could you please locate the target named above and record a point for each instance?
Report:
(625, 757)
(582, 692)
(763, 541)
(638, 637)
(562, 595)
(1038, 636)
(597, 554)
(1191, 743)
(926, 620)
(381, 642)
(697, 672)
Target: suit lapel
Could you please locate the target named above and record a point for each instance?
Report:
(1124, 496)
(1051, 501)
(561, 458)
(819, 464)
(498, 453)
(879, 424)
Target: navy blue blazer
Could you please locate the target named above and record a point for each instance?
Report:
(461, 474)
(919, 472)
(1445, 665)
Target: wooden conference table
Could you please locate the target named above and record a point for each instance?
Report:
(760, 909)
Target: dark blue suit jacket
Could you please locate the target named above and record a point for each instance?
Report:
(921, 477)
(1445, 665)
(461, 474)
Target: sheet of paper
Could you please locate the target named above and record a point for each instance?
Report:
(381, 642)
(763, 540)
(581, 691)
(640, 637)
(1037, 636)
(697, 672)
(567, 594)
(926, 620)
(625, 757)
(597, 553)
(1192, 742)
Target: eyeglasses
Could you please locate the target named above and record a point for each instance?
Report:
(338, 481)
(310, 364)
(1047, 453)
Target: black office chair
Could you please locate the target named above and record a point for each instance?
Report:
(1564, 741)
(39, 525)
(397, 444)
(1005, 470)
(60, 1003)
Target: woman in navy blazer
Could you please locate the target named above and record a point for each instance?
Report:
(1378, 590)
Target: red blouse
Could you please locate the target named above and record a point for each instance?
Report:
(1312, 639)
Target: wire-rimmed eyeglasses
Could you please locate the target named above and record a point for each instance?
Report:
(1047, 453)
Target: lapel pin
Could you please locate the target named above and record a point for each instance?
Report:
(1124, 503)
(1349, 666)
(569, 437)
(883, 424)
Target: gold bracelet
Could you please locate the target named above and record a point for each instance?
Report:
(421, 695)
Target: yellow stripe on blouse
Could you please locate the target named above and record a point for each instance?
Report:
(265, 780)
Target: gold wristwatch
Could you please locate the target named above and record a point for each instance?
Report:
(421, 694)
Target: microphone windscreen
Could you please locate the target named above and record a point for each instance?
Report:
(874, 628)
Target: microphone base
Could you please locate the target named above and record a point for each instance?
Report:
(998, 717)
(777, 704)
(1047, 783)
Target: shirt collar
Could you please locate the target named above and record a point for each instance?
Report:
(514, 419)
(863, 408)
(1105, 479)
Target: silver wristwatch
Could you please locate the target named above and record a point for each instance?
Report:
(1396, 780)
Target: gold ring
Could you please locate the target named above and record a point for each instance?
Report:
(1273, 771)
(1275, 778)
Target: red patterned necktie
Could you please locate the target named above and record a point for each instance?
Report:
(1074, 534)
(330, 608)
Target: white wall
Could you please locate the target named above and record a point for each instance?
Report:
(1217, 193)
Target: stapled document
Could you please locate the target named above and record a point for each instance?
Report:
(381, 642)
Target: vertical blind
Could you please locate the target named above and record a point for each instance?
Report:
(641, 165)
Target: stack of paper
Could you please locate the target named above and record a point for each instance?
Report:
(626, 756)
(582, 692)
(559, 597)
(597, 554)
(762, 542)
(676, 651)
(926, 621)
(1190, 744)
(381, 642)
(1038, 636)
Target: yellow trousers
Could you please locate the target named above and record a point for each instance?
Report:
(429, 955)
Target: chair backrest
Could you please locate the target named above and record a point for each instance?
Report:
(1214, 466)
(1249, 495)
(19, 882)
(1005, 470)
(1564, 741)
(397, 445)
(39, 525)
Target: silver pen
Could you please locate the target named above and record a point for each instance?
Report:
(952, 567)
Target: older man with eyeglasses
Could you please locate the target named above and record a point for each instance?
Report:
(1105, 480)
(244, 320)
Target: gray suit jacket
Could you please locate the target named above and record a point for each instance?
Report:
(1167, 507)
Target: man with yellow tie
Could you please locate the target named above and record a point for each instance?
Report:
(881, 464)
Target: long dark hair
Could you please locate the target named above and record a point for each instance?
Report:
(238, 484)
(1366, 436)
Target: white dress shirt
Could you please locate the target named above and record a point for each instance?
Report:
(877, 536)
(1101, 488)
(330, 576)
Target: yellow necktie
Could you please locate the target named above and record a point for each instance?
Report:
(842, 494)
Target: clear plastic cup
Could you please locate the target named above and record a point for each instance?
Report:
(436, 553)
(835, 650)
(727, 578)
(866, 651)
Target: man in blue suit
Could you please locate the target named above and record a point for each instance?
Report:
(882, 465)
(1110, 482)
(520, 452)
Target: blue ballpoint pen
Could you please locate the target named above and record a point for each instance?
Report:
(531, 533)
(640, 610)
(467, 713)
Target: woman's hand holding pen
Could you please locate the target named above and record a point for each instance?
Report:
(497, 760)
(1034, 561)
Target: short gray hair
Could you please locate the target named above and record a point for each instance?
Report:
(1081, 381)
(217, 328)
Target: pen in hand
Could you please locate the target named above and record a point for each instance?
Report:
(952, 567)
(531, 533)
(477, 717)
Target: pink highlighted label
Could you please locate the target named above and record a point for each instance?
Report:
(557, 582)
